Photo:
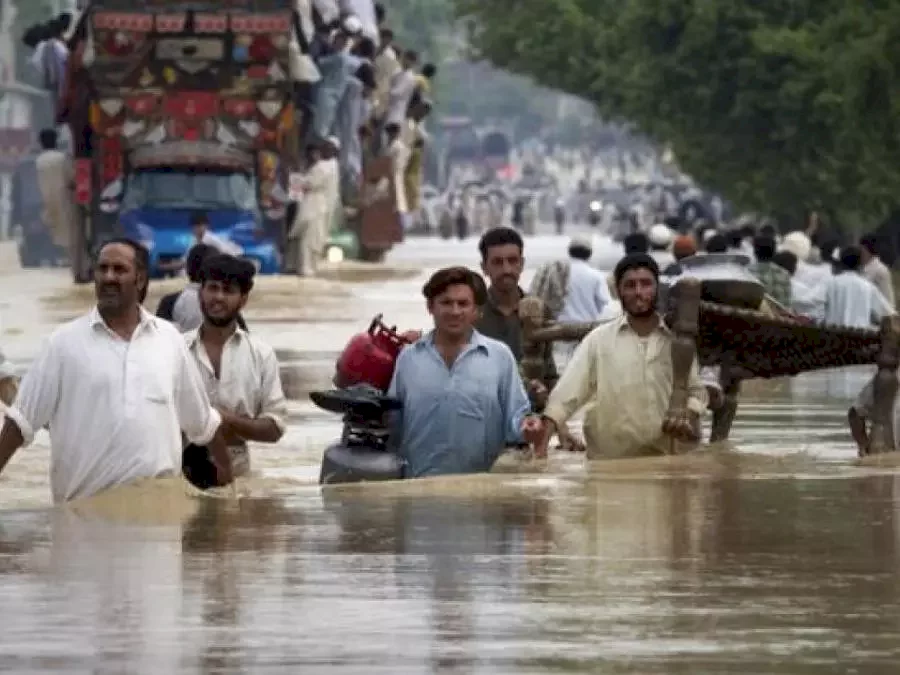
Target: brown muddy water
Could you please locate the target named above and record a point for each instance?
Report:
(776, 554)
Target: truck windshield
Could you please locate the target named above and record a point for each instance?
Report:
(180, 189)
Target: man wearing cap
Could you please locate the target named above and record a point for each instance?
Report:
(660, 237)
(623, 369)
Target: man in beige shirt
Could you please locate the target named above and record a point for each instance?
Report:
(624, 369)
(875, 270)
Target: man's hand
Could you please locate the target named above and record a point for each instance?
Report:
(569, 442)
(683, 427)
(411, 335)
(716, 397)
(548, 426)
(227, 427)
(532, 428)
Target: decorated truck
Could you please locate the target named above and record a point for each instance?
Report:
(179, 108)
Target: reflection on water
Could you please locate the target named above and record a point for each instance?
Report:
(587, 574)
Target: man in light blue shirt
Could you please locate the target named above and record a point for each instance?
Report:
(463, 399)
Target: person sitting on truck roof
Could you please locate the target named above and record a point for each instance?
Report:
(203, 235)
(336, 69)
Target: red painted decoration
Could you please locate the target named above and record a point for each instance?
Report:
(192, 105)
(82, 181)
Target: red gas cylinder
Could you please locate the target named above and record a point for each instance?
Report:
(369, 357)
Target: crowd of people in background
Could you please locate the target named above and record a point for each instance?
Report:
(364, 96)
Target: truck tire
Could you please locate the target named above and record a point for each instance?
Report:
(81, 263)
(371, 254)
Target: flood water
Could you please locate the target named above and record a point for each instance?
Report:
(775, 554)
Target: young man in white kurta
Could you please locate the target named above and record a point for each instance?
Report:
(248, 385)
(115, 407)
(239, 371)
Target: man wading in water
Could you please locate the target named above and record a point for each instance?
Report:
(239, 371)
(623, 369)
(116, 388)
(463, 399)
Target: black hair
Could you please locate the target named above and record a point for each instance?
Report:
(34, 35)
(444, 278)
(764, 247)
(717, 244)
(386, 35)
(786, 260)
(366, 74)
(580, 252)
(365, 49)
(735, 238)
(229, 270)
(141, 260)
(635, 261)
(196, 257)
(851, 258)
(768, 231)
(870, 243)
(747, 232)
(48, 138)
(827, 250)
(411, 55)
(199, 218)
(636, 242)
(499, 236)
(429, 70)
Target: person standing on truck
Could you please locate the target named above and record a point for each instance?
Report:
(56, 175)
(203, 235)
(403, 86)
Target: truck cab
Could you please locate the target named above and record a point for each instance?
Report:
(158, 205)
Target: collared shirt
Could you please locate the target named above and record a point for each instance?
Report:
(249, 383)
(851, 300)
(587, 294)
(775, 279)
(186, 314)
(628, 381)
(880, 276)
(115, 408)
(507, 328)
(456, 419)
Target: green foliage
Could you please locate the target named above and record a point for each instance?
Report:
(781, 106)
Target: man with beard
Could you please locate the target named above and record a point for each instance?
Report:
(116, 387)
(463, 399)
(239, 371)
(624, 369)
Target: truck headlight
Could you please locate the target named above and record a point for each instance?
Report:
(595, 206)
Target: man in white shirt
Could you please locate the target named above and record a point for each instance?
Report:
(55, 177)
(116, 388)
(875, 270)
(240, 372)
(203, 235)
(850, 299)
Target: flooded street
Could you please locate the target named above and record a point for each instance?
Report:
(782, 557)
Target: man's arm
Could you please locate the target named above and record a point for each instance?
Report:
(198, 419)
(577, 384)
(268, 426)
(698, 397)
(880, 305)
(35, 403)
(513, 398)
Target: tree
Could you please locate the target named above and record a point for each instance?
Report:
(780, 106)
